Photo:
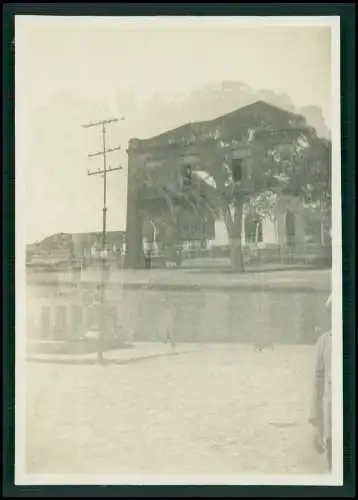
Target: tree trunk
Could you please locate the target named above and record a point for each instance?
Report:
(237, 258)
(171, 241)
(237, 261)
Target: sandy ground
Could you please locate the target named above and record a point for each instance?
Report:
(222, 409)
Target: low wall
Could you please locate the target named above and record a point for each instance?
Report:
(138, 310)
(310, 254)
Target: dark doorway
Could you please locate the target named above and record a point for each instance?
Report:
(290, 227)
(259, 234)
(237, 170)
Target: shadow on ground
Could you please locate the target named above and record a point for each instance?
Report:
(76, 347)
(95, 361)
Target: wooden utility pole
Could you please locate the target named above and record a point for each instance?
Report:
(104, 172)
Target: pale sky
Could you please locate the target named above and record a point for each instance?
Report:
(93, 58)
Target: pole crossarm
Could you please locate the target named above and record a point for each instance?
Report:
(99, 172)
(101, 153)
(102, 122)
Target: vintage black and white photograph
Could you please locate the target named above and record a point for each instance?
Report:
(178, 250)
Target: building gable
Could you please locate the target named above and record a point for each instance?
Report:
(232, 126)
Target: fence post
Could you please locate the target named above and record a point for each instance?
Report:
(45, 327)
(76, 324)
(59, 332)
(111, 315)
